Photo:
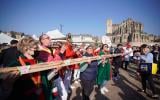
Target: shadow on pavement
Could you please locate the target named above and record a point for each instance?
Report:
(156, 79)
(128, 92)
(99, 96)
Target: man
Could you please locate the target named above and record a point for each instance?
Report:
(128, 55)
(117, 61)
(48, 54)
(9, 55)
(88, 76)
(147, 58)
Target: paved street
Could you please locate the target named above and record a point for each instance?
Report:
(123, 89)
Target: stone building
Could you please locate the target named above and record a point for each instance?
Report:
(16, 35)
(84, 39)
(128, 31)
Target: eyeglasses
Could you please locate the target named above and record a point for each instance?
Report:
(90, 48)
(33, 49)
(45, 38)
(57, 48)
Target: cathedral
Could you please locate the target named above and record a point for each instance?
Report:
(128, 31)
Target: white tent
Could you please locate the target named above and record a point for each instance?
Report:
(55, 34)
(35, 37)
(5, 38)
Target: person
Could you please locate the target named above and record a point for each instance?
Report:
(136, 57)
(26, 87)
(117, 61)
(48, 54)
(88, 76)
(127, 57)
(76, 74)
(10, 54)
(147, 57)
(69, 53)
(155, 53)
(104, 72)
(156, 56)
(112, 50)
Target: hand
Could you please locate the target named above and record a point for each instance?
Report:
(122, 54)
(10, 75)
(89, 61)
(103, 58)
(75, 49)
(103, 62)
(63, 48)
(56, 70)
(109, 56)
(138, 73)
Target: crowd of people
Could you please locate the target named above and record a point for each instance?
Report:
(56, 84)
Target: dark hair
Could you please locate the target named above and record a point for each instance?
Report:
(13, 42)
(40, 37)
(103, 46)
(144, 46)
(119, 45)
(68, 36)
(154, 47)
(89, 46)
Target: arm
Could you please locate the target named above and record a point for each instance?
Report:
(147, 58)
(83, 66)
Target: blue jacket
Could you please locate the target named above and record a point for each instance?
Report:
(147, 58)
(91, 71)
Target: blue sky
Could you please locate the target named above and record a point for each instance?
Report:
(76, 16)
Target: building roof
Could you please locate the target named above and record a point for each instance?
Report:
(5, 38)
(55, 34)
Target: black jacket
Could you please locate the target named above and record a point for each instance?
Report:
(118, 58)
(8, 55)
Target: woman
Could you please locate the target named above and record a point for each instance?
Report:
(146, 75)
(77, 69)
(26, 87)
(103, 70)
(88, 76)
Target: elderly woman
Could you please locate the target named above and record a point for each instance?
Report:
(88, 76)
(26, 87)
